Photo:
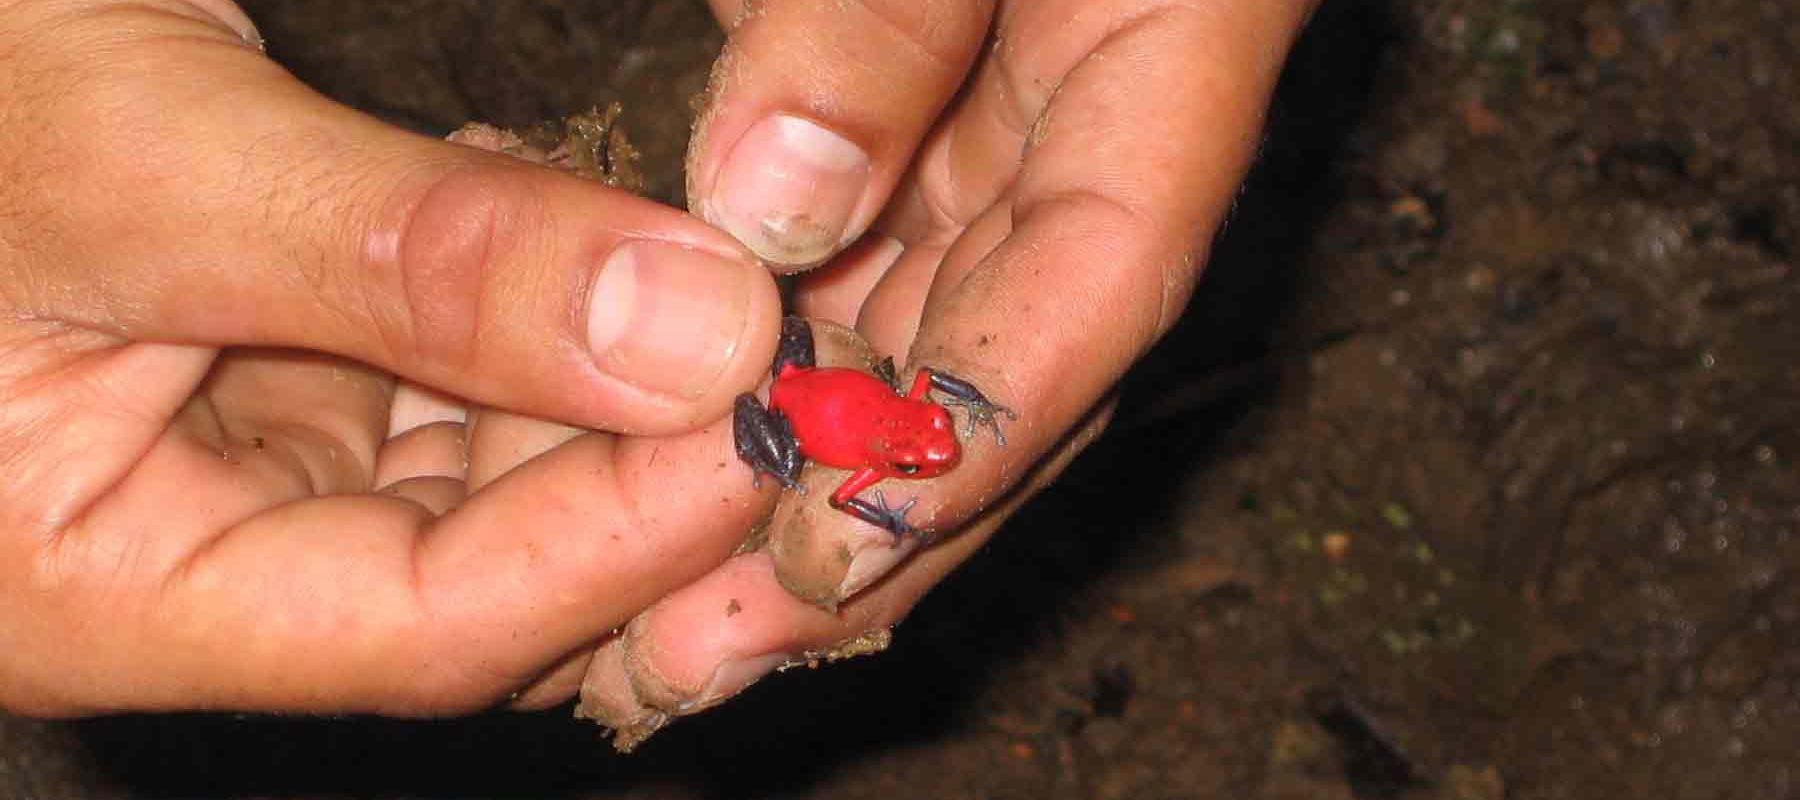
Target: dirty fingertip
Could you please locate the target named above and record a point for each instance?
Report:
(711, 639)
(679, 696)
(608, 698)
(811, 559)
(824, 557)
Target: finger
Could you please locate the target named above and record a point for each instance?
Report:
(1106, 223)
(429, 451)
(324, 417)
(416, 406)
(436, 494)
(425, 458)
(608, 698)
(714, 638)
(68, 440)
(895, 305)
(983, 136)
(370, 603)
(238, 207)
(556, 685)
(229, 14)
(836, 292)
(1134, 164)
(500, 441)
(815, 111)
(700, 646)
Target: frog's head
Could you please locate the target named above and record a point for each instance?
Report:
(921, 444)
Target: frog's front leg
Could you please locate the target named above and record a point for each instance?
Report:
(958, 392)
(765, 441)
(878, 513)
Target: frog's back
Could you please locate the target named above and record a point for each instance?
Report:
(834, 412)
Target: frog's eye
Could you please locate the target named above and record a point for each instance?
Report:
(907, 469)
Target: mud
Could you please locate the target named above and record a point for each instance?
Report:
(1470, 473)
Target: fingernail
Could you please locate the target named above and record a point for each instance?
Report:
(873, 561)
(667, 318)
(415, 406)
(233, 17)
(788, 190)
(733, 677)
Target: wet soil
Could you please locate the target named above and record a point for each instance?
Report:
(1470, 474)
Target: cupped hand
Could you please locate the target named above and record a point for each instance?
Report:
(1019, 193)
(215, 287)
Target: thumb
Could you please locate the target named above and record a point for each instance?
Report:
(212, 199)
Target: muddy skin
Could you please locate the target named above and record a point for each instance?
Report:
(1482, 428)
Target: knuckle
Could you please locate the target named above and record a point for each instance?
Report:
(439, 264)
(1155, 270)
(944, 32)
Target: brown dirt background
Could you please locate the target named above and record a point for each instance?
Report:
(1470, 474)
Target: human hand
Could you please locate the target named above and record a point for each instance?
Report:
(1038, 183)
(217, 493)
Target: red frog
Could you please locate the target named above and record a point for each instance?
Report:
(852, 420)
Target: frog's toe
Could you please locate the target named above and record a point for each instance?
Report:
(982, 412)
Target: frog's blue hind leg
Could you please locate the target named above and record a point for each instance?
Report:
(882, 515)
(765, 441)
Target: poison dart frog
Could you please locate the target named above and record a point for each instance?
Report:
(850, 419)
